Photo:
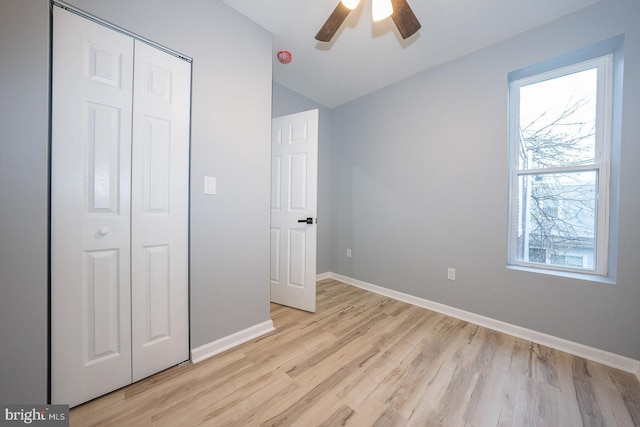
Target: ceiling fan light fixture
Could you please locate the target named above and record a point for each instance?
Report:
(399, 10)
(350, 4)
(381, 9)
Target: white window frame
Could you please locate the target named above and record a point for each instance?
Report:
(601, 165)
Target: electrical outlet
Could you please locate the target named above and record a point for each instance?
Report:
(451, 273)
(348, 253)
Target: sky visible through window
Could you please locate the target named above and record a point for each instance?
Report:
(560, 111)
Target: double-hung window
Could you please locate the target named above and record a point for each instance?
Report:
(559, 151)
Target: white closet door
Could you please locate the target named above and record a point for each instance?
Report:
(160, 207)
(120, 200)
(90, 209)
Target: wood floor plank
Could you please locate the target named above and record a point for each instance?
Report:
(627, 385)
(431, 407)
(367, 360)
(339, 418)
(389, 419)
(590, 410)
(382, 378)
(541, 404)
(395, 351)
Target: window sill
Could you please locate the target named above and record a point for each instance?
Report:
(566, 274)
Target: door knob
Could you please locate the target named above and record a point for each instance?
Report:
(103, 231)
(308, 220)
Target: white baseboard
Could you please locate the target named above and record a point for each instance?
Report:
(606, 358)
(218, 346)
(323, 276)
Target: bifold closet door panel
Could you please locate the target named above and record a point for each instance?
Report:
(90, 209)
(160, 208)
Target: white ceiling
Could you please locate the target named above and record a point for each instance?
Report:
(366, 56)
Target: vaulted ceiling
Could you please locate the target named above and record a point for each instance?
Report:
(365, 56)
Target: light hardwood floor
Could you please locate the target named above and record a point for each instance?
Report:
(368, 360)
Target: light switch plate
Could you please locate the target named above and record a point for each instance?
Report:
(209, 185)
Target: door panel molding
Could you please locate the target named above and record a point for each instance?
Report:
(90, 209)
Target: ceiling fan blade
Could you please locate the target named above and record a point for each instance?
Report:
(333, 22)
(404, 18)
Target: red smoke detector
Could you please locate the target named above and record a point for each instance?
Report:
(284, 56)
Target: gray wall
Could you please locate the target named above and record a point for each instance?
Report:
(422, 173)
(24, 112)
(229, 232)
(286, 101)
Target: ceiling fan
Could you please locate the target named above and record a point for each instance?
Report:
(399, 10)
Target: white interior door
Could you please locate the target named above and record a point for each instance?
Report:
(119, 209)
(294, 193)
(159, 210)
(90, 209)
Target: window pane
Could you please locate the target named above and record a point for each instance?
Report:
(557, 121)
(556, 219)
